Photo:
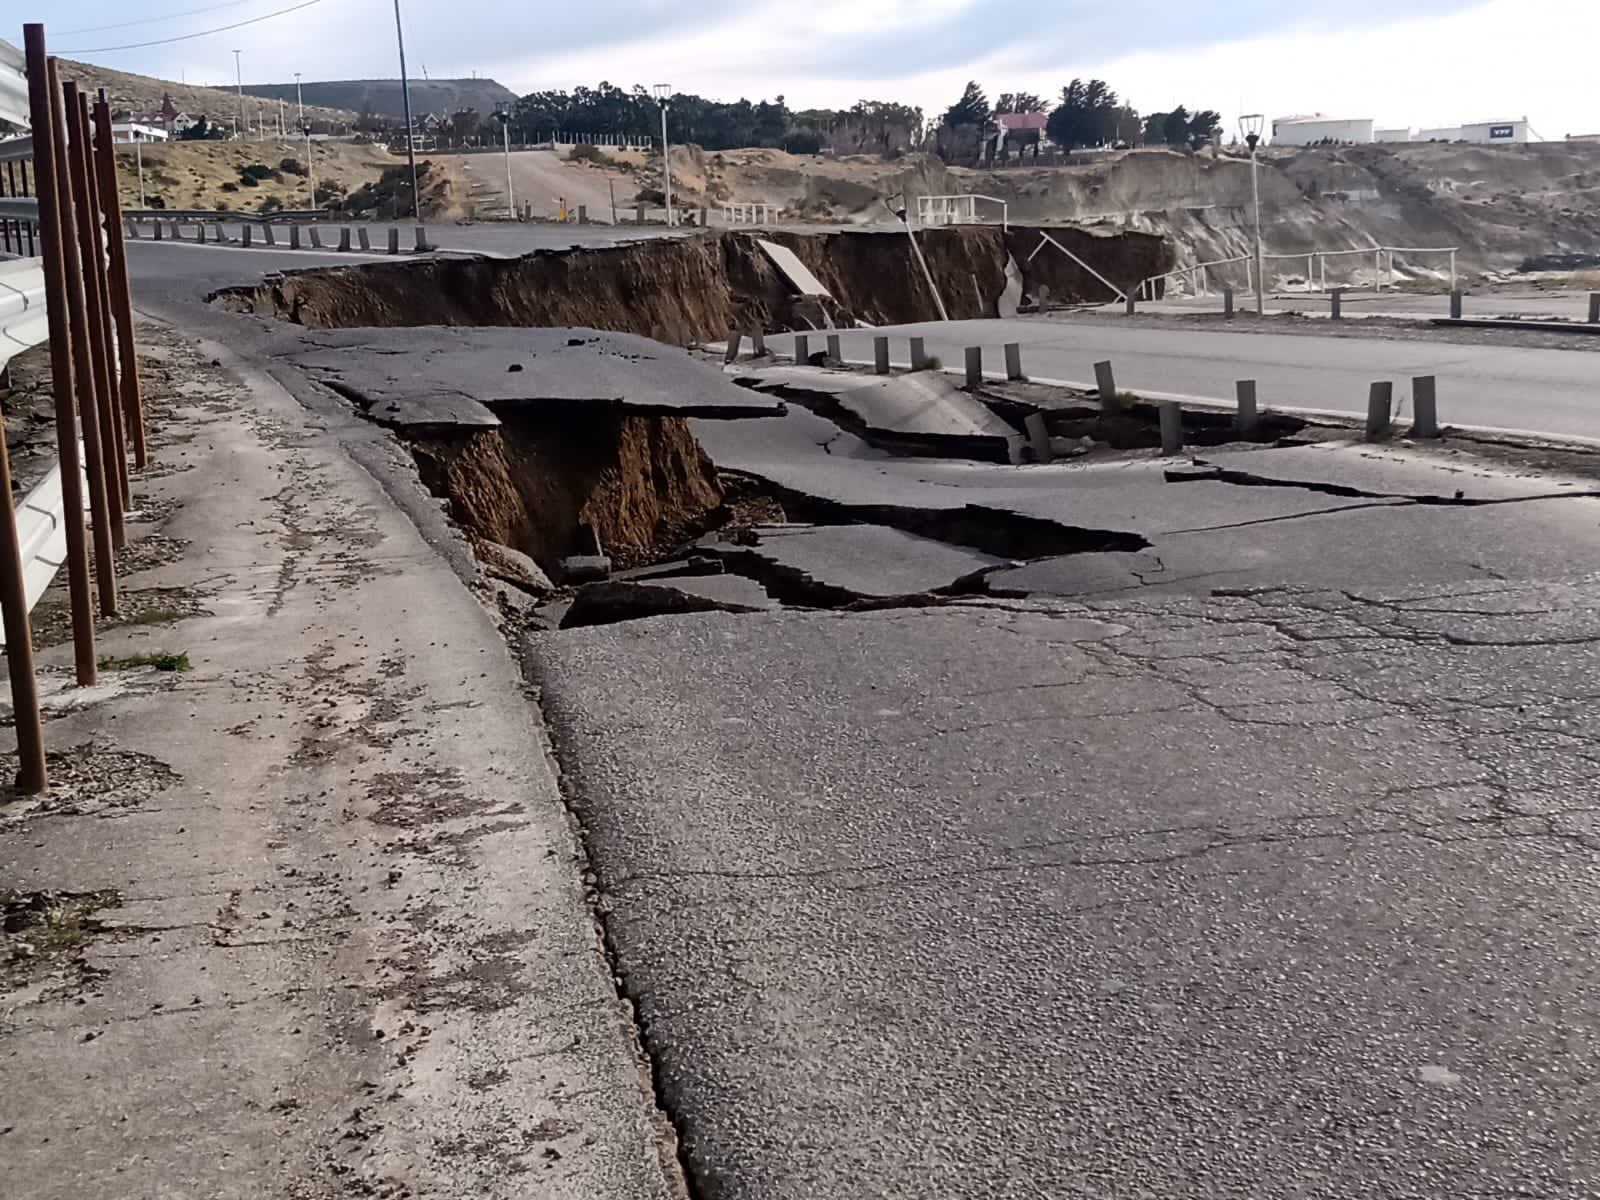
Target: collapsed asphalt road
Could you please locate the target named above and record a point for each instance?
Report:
(1247, 850)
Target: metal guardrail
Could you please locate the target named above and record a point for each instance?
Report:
(14, 148)
(13, 86)
(200, 214)
(41, 537)
(23, 323)
(19, 208)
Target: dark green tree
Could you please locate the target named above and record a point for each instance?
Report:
(971, 109)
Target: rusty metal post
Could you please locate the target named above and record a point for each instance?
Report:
(53, 204)
(121, 293)
(111, 404)
(89, 251)
(83, 367)
(31, 777)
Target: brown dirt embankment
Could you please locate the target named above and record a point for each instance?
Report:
(539, 483)
(683, 290)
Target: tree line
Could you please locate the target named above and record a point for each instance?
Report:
(1089, 113)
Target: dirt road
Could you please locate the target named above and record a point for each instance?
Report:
(545, 178)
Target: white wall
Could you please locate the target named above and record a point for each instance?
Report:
(1307, 131)
(1496, 132)
(1392, 135)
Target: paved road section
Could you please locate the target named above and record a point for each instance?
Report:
(1516, 301)
(1543, 391)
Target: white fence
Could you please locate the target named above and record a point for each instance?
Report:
(747, 214)
(956, 210)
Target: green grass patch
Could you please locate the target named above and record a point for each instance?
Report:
(161, 660)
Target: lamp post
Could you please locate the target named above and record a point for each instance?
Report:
(663, 94)
(405, 94)
(305, 128)
(504, 118)
(138, 155)
(1251, 125)
(238, 81)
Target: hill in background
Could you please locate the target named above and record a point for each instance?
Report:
(142, 94)
(382, 98)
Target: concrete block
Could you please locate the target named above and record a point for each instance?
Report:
(581, 568)
(1455, 304)
(1013, 360)
(344, 237)
(1248, 417)
(974, 366)
(1380, 410)
(294, 237)
(1106, 382)
(835, 354)
(880, 355)
(200, 233)
(758, 343)
(363, 238)
(244, 235)
(919, 355)
(1424, 407)
(802, 348)
(316, 237)
(177, 234)
(155, 230)
(1594, 308)
(638, 214)
(732, 352)
(133, 229)
(268, 236)
(1038, 437)
(421, 239)
(1171, 427)
(1227, 302)
(222, 234)
(1336, 304)
(583, 214)
(394, 241)
(1130, 304)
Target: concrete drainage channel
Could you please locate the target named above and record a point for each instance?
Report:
(604, 477)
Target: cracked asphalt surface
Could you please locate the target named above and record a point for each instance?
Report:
(1280, 893)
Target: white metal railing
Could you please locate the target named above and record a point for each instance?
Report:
(957, 210)
(622, 141)
(747, 214)
(1197, 281)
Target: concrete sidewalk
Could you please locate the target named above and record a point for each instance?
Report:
(306, 919)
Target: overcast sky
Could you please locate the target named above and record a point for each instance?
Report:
(1403, 62)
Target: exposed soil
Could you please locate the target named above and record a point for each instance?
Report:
(683, 290)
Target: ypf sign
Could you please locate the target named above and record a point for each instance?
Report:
(1502, 133)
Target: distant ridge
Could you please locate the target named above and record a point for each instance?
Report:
(381, 97)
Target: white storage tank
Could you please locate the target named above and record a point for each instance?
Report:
(1313, 130)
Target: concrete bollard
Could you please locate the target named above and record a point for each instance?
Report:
(1248, 418)
(919, 355)
(1013, 360)
(268, 236)
(316, 237)
(344, 237)
(732, 352)
(1130, 304)
(1227, 302)
(363, 238)
(1380, 410)
(638, 214)
(1336, 304)
(974, 366)
(244, 235)
(1038, 436)
(835, 354)
(758, 344)
(1171, 427)
(880, 355)
(583, 214)
(177, 234)
(705, 217)
(294, 237)
(1594, 308)
(394, 241)
(132, 228)
(420, 239)
(221, 233)
(802, 348)
(1107, 384)
(155, 228)
(1424, 407)
(200, 233)
(1455, 304)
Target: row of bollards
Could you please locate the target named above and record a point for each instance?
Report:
(880, 353)
(299, 235)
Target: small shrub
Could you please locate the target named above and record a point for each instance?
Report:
(247, 181)
(161, 660)
(255, 171)
(292, 166)
(650, 196)
(584, 152)
(229, 185)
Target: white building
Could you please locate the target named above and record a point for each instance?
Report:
(1312, 130)
(128, 131)
(1497, 132)
(1393, 135)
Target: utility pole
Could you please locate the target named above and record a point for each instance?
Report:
(405, 93)
(238, 80)
(138, 156)
(663, 93)
(1251, 126)
(305, 128)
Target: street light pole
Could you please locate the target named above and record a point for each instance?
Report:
(138, 155)
(305, 128)
(238, 80)
(1251, 126)
(405, 93)
(663, 93)
(504, 118)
